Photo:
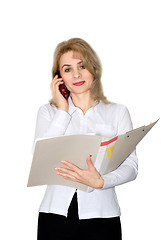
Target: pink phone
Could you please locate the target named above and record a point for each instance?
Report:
(63, 89)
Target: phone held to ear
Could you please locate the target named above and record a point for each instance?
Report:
(63, 89)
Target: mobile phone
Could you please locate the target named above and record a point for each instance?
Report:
(63, 89)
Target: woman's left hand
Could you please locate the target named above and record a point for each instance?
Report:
(89, 177)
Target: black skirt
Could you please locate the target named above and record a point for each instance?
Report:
(57, 227)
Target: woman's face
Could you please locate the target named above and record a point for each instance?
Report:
(75, 76)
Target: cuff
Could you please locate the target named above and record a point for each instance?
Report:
(110, 180)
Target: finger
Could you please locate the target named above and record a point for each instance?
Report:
(56, 77)
(72, 166)
(61, 169)
(66, 176)
(64, 172)
(89, 162)
(56, 84)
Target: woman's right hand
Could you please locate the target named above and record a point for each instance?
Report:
(58, 98)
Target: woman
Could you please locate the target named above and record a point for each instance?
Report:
(68, 213)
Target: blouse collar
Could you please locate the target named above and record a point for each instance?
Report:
(73, 108)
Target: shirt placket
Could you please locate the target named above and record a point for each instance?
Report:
(83, 124)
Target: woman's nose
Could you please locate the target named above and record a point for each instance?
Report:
(76, 73)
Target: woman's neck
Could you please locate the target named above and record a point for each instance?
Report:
(82, 101)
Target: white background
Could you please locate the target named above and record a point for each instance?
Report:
(127, 37)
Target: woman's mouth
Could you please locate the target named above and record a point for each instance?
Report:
(79, 83)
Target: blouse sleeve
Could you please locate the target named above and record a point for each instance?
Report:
(51, 122)
(128, 170)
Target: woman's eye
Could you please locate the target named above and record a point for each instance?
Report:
(67, 70)
(83, 67)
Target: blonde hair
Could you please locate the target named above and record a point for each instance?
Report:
(90, 60)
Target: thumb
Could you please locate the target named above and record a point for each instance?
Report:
(89, 162)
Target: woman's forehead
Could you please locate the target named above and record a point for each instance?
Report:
(71, 57)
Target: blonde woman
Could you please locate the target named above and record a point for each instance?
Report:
(65, 212)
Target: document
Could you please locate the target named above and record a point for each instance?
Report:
(107, 155)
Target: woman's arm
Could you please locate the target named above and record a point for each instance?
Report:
(128, 170)
(51, 122)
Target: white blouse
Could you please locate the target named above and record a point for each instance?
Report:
(102, 119)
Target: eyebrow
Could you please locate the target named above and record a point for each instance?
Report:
(68, 65)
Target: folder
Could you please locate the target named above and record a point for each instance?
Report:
(107, 155)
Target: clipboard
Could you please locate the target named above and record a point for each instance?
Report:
(75, 148)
